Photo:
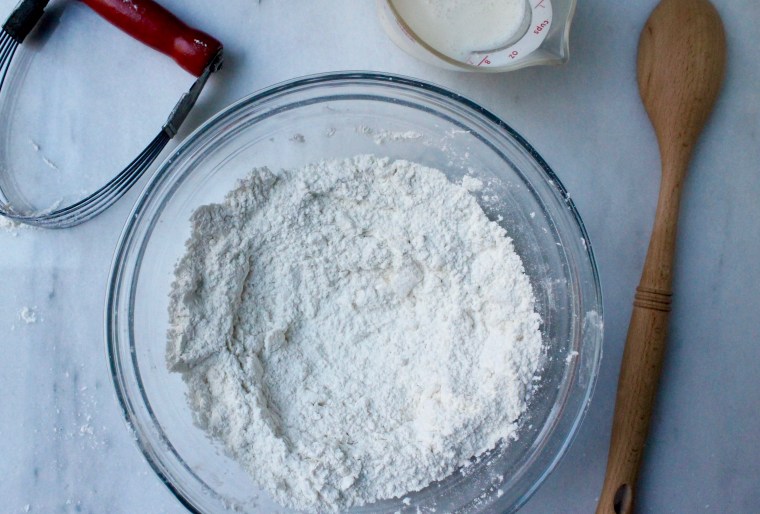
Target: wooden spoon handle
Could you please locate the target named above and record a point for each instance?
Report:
(637, 387)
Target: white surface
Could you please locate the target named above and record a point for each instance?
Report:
(63, 444)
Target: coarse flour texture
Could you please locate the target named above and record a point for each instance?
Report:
(352, 330)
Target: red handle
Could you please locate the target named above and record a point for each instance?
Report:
(156, 27)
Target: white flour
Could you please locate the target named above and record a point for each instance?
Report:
(353, 330)
(9, 225)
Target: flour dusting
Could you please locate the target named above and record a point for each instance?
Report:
(28, 315)
(353, 330)
(9, 225)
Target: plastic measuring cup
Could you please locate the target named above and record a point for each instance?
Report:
(543, 38)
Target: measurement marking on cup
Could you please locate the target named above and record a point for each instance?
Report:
(521, 49)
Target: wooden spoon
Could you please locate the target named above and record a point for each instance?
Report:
(681, 61)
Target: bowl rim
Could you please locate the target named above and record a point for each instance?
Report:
(118, 263)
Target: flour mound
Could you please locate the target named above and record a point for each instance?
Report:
(353, 330)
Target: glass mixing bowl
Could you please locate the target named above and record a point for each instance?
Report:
(340, 115)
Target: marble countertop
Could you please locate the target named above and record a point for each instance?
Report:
(92, 97)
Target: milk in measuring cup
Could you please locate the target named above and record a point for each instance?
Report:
(456, 28)
(480, 35)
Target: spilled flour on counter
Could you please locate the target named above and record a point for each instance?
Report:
(353, 330)
(10, 226)
(28, 315)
